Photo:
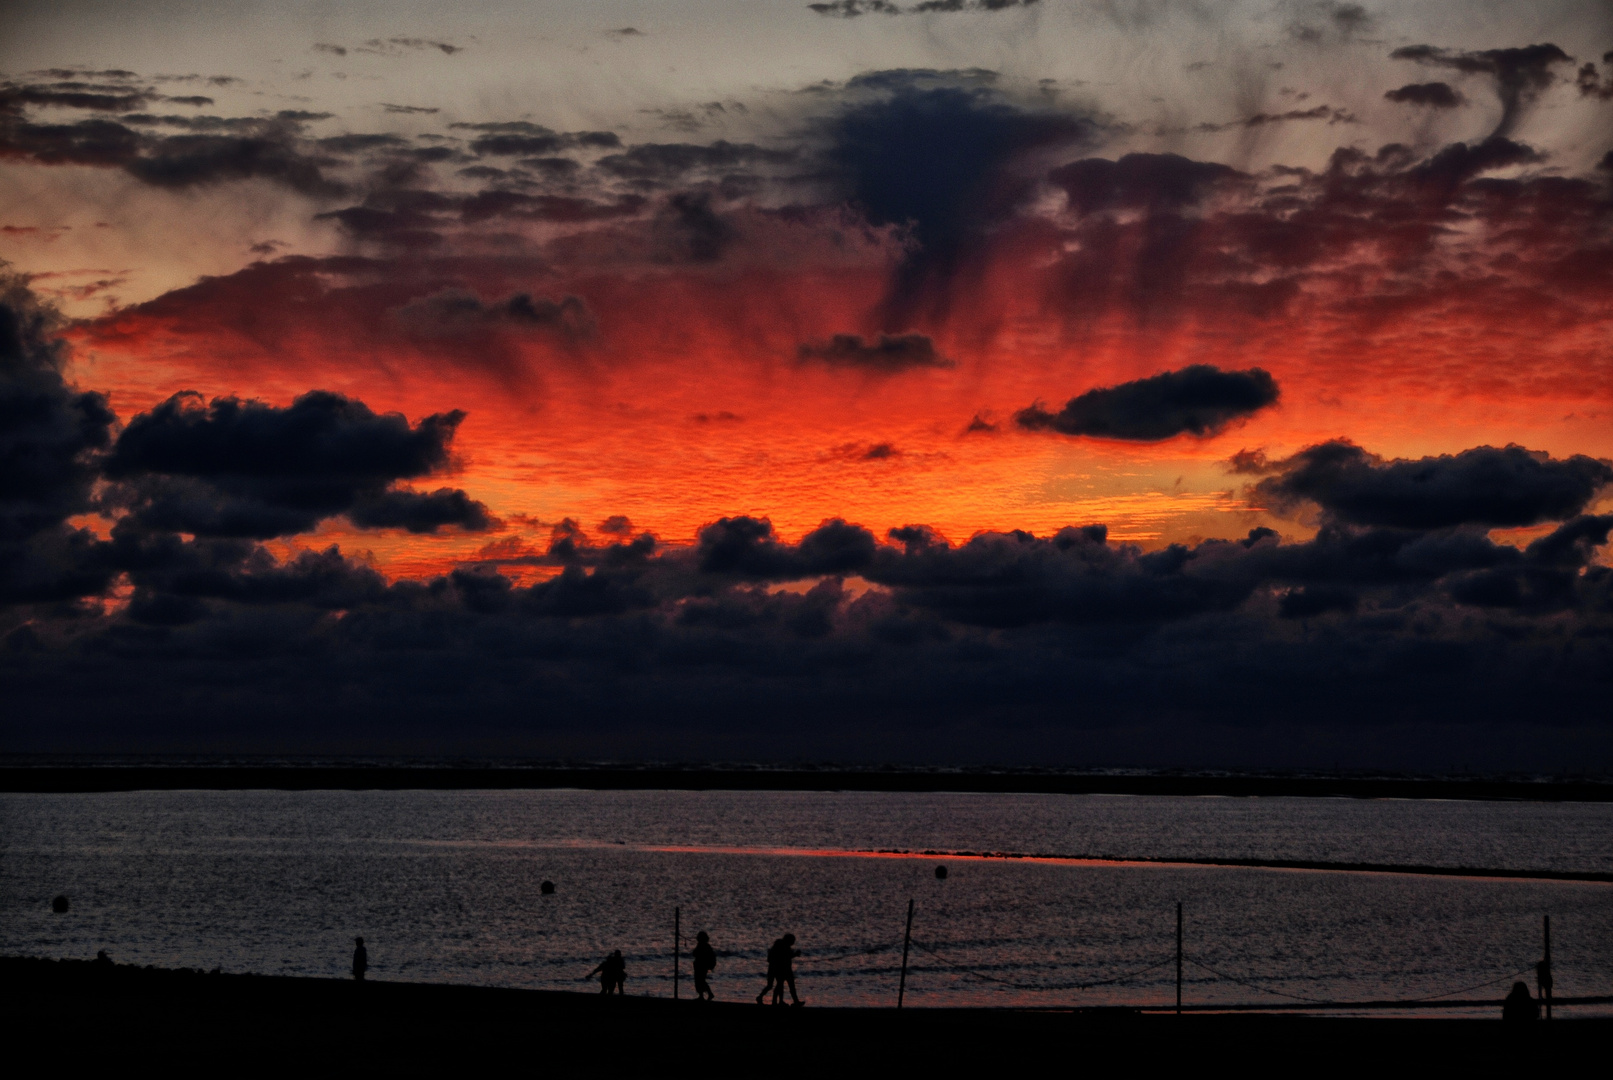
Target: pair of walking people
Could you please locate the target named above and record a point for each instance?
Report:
(781, 971)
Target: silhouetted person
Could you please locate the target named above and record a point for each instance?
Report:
(780, 971)
(1520, 1005)
(361, 959)
(612, 972)
(102, 960)
(705, 960)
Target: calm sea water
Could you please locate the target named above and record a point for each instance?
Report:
(444, 887)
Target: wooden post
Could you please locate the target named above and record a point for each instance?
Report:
(677, 959)
(1178, 958)
(1545, 983)
(907, 937)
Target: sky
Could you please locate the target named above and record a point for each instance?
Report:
(973, 381)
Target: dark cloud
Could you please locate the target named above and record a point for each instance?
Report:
(1317, 112)
(1076, 576)
(200, 160)
(1060, 639)
(241, 149)
(88, 142)
(457, 311)
(656, 163)
(74, 94)
(1201, 400)
(514, 138)
(937, 159)
(746, 547)
(1329, 21)
(90, 73)
(886, 353)
(209, 80)
(406, 218)
(1590, 85)
(1141, 182)
(697, 233)
(1459, 162)
(1308, 603)
(552, 168)
(422, 43)
(248, 469)
(1487, 486)
(51, 436)
(851, 9)
(421, 512)
(352, 144)
(1433, 95)
(69, 92)
(1520, 74)
(518, 205)
(1163, 241)
(409, 110)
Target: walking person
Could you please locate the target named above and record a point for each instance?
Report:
(361, 960)
(772, 970)
(705, 961)
(786, 971)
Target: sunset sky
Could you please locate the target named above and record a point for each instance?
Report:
(715, 379)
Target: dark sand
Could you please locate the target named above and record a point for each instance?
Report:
(61, 1015)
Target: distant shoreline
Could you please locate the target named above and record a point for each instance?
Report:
(112, 777)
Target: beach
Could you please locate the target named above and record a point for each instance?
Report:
(265, 1024)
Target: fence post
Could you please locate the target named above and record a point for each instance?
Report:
(677, 958)
(1178, 958)
(907, 937)
(1545, 968)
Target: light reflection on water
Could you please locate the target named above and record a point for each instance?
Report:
(444, 887)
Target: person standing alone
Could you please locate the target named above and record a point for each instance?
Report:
(361, 960)
(705, 960)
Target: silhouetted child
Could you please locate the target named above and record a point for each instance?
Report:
(1519, 1005)
(361, 959)
(612, 972)
(705, 960)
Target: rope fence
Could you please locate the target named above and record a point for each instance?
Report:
(1003, 982)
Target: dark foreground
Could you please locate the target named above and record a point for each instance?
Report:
(75, 1012)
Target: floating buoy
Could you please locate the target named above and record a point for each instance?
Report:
(940, 873)
(547, 888)
(59, 905)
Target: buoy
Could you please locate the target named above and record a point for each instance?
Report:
(940, 873)
(59, 905)
(547, 888)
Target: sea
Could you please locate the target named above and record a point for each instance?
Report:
(1051, 906)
